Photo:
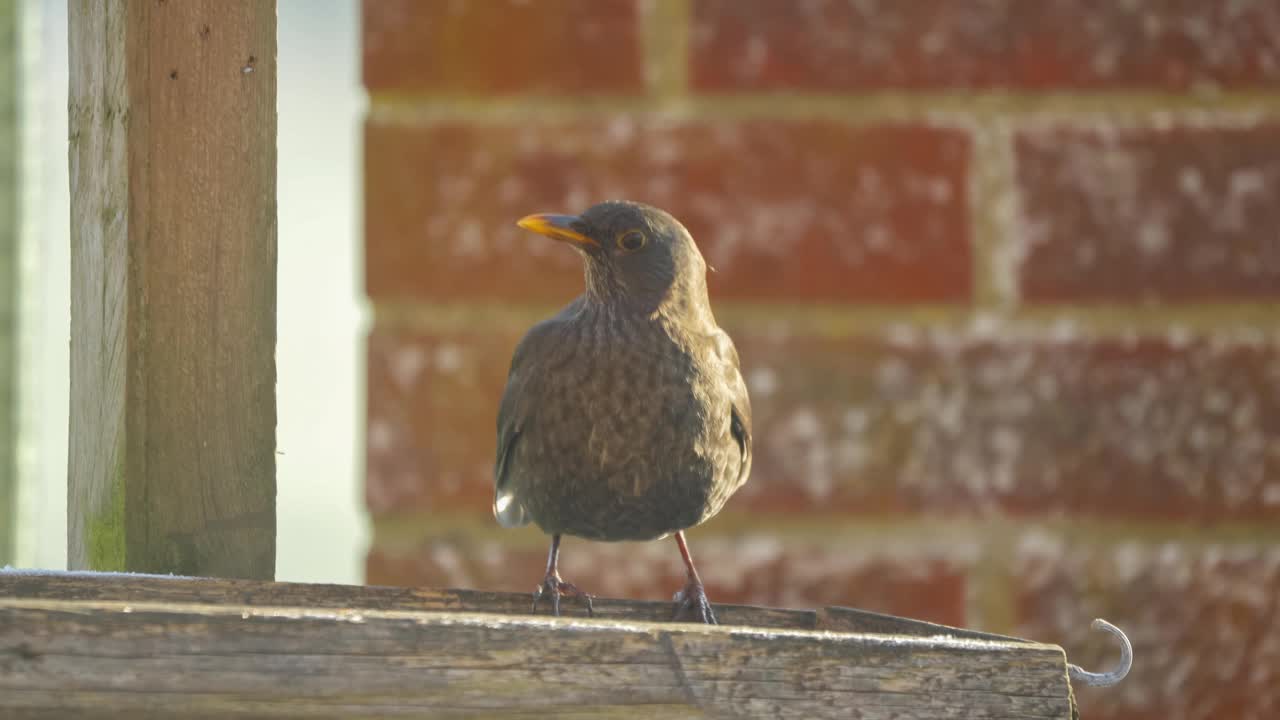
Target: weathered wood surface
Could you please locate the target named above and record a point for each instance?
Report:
(10, 167)
(121, 659)
(173, 267)
(586, 672)
(125, 588)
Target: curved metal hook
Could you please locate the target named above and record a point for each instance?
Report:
(1116, 674)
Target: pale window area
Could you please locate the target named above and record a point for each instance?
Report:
(321, 323)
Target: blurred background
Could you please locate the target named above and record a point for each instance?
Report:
(1004, 276)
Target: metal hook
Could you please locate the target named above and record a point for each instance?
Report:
(1116, 674)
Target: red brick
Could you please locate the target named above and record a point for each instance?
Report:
(754, 569)
(787, 210)
(937, 424)
(1204, 622)
(502, 46)
(1154, 215)
(957, 425)
(835, 45)
(432, 419)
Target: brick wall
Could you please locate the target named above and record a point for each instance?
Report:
(1003, 274)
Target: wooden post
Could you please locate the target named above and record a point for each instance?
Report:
(173, 285)
(10, 166)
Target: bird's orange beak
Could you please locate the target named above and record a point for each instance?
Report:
(557, 227)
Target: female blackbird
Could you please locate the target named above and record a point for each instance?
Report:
(625, 416)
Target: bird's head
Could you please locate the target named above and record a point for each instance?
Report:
(637, 256)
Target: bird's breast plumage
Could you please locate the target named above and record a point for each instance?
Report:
(630, 437)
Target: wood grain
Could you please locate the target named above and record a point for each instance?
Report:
(173, 225)
(255, 593)
(113, 659)
(10, 194)
(131, 587)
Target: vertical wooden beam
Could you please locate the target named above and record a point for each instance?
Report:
(173, 286)
(10, 166)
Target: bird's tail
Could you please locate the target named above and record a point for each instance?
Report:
(508, 510)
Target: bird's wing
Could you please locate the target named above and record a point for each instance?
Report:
(518, 400)
(740, 412)
(513, 413)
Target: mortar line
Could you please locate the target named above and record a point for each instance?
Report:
(906, 534)
(992, 191)
(1252, 322)
(669, 80)
(989, 601)
(665, 28)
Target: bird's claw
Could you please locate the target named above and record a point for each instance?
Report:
(555, 587)
(692, 600)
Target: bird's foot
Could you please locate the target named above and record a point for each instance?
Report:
(553, 586)
(692, 602)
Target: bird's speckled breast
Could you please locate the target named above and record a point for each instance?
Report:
(631, 437)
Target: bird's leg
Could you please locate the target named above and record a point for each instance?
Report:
(555, 587)
(693, 598)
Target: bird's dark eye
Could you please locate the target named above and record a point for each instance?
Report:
(632, 240)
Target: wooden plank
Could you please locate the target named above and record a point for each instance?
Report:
(173, 261)
(112, 659)
(255, 593)
(162, 588)
(842, 619)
